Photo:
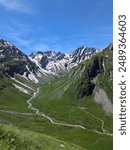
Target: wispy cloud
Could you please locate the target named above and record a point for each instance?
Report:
(17, 5)
(24, 37)
(27, 39)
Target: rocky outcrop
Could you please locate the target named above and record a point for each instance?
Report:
(85, 85)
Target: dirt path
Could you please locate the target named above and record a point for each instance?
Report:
(15, 113)
(102, 122)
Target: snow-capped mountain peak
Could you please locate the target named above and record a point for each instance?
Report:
(14, 62)
(5, 43)
(51, 61)
(39, 64)
(58, 62)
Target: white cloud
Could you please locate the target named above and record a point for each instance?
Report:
(16, 5)
(20, 35)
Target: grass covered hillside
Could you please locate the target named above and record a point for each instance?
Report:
(75, 99)
(13, 138)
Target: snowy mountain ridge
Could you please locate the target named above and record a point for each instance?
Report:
(39, 65)
(13, 62)
(58, 62)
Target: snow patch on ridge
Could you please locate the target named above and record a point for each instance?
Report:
(24, 76)
(22, 84)
(59, 63)
(41, 70)
(1, 50)
(32, 77)
(21, 89)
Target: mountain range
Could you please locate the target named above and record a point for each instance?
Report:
(59, 62)
(14, 61)
(53, 100)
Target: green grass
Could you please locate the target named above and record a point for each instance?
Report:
(12, 138)
(63, 106)
(11, 98)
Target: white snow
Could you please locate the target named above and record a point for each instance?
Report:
(22, 84)
(27, 68)
(21, 89)
(8, 44)
(38, 57)
(98, 50)
(32, 77)
(55, 65)
(1, 50)
(24, 76)
(2, 56)
(82, 51)
(68, 56)
(41, 70)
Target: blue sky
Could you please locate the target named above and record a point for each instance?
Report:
(60, 25)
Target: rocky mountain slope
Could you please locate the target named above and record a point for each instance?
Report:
(14, 62)
(60, 63)
(40, 64)
(95, 76)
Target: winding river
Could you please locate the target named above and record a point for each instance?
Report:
(36, 110)
(47, 117)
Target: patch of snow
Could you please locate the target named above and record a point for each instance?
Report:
(27, 68)
(68, 56)
(32, 77)
(2, 56)
(8, 44)
(24, 76)
(82, 51)
(38, 57)
(59, 62)
(98, 50)
(1, 50)
(22, 84)
(41, 70)
(57, 65)
(21, 89)
(39, 74)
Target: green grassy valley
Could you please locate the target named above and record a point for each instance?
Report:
(68, 113)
